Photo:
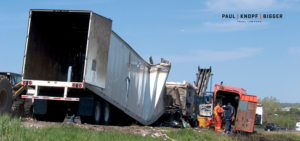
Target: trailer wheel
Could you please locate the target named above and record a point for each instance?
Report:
(106, 113)
(17, 109)
(5, 95)
(97, 113)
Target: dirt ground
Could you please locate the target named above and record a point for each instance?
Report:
(140, 130)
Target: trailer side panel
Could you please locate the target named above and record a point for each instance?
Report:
(133, 85)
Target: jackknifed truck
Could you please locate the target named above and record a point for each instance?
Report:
(78, 65)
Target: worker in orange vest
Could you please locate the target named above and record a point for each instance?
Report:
(218, 111)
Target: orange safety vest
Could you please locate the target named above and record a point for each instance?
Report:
(218, 111)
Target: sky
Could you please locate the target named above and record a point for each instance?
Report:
(261, 57)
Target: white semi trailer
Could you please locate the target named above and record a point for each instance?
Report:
(78, 65)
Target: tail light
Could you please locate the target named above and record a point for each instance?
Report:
(24, 82)
(272, 126)
(30, 82)
(265, 127)
(73, 85)
(80, 85)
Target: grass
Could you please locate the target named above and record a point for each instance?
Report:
(280, 135)
(190, 135)
(13, 130)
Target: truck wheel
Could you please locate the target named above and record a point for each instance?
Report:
(28, 110)
(17, 109)
(5, 95)
(106, 113)
(97, 113)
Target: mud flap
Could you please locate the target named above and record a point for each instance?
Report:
(40, 106)
(85, 107)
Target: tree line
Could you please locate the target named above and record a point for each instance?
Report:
(273, 113)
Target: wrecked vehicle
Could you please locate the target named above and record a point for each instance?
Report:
(78, 65)
(182, 99)
(179, 102)
(245, 106)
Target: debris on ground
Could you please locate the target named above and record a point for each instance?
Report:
(160, 135)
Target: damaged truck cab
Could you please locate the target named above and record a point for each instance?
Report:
(244, 105)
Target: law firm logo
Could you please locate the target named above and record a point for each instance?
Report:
(252, 16)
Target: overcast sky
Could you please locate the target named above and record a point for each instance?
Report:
(262, 58)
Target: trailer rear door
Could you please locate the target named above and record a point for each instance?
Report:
(98, 50)
(246, 113)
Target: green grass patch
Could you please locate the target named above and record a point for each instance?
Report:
(13, 130)
(282, 136)
(190, 135)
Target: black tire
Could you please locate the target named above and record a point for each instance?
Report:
(28, 110)
(5, 95)
(17, 109)
(97, 113)
(106, 116)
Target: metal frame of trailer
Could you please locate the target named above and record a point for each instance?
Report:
(112, 69)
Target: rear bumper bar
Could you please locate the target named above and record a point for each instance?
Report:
(51, 98)
(53, 84)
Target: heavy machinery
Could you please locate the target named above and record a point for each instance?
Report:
(78, 65)
(245, 106)
(10, 95)
(203, 99)
(182, 99)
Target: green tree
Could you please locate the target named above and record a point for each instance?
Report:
(271, 105)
